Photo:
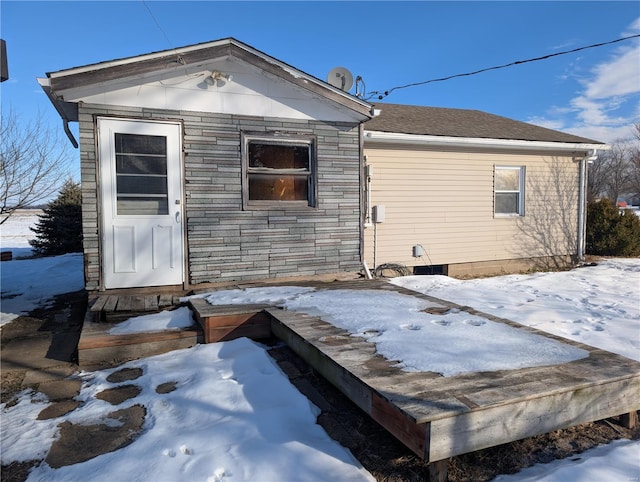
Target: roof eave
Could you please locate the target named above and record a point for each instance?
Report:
(477, 142)
(197, 54)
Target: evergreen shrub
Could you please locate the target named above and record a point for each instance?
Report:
(611, 231)
(59, 227)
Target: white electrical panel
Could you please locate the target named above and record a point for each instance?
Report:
(377, 213)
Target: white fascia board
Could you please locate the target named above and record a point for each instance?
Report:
(183, 50)
(444, 141)
(133, 60)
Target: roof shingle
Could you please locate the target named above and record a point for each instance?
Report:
(439, 121)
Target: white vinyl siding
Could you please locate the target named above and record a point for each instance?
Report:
(444, 200)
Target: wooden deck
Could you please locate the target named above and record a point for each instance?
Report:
(440, 417)
(111, 308)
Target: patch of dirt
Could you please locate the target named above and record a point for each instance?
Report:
(10, 386)
(117, 395)
(61, 321)
(78, 443)
(58, 409)
(124, 375)
(390, 461)
(61, 389)
(21, 327)
(166, 387)
(17, 471)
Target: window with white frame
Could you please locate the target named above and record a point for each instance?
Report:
(509, 190)
(278, 170)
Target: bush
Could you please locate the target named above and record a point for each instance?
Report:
(610, 231)
(59, 227)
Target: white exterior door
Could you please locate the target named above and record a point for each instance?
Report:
(141, 194)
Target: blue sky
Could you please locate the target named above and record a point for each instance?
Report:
(594, 93)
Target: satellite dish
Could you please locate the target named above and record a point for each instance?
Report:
(341, 78)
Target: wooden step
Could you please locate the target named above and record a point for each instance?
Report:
(228, 322)
(97, 346)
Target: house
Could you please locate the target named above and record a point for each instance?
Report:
(212, 163)
(465, 192)
(217, 163)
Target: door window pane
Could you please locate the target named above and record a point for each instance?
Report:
(141, 174)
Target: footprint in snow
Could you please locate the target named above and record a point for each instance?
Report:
(371, 333)
(186, 450)
(169, 453)
(218, 475)
(475, 322)
(410, 327)
(442, 322)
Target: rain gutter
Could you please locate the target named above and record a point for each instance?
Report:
(68, 110)
(444, 141)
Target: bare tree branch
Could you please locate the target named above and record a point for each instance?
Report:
(34, 162)
(617, 171)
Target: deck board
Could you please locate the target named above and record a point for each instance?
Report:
(99, 303)
(439, 417)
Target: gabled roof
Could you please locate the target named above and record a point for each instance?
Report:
(464, 123)
(57, 82)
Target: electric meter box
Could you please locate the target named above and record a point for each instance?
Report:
(377, 213)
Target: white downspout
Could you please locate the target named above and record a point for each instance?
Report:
(582, 203)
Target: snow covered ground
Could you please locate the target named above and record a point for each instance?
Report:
(26, 284)
(234, 416)
(596, 305)
(237, 417)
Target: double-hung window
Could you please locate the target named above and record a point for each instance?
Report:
(509, 190)
(278, 171)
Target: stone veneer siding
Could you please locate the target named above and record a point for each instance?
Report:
(225, 243)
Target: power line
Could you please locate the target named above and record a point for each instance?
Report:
(166, 37)
(381, 95)
(179, 59)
